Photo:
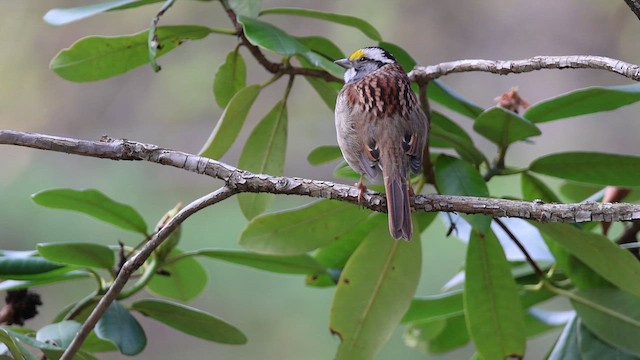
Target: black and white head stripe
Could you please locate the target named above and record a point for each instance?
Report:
(373, 53)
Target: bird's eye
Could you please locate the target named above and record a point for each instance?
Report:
(362, 59)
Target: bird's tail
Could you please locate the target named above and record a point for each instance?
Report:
(395, 184)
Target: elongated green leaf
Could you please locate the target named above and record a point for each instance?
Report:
(449, 126)
(98, 57)
(328, 91)
(11, 344)
(437, 336)
(613, 263)
(337, 253)
(230, 123)
(264, 153)
(118, 326)
(60, 333)
(322, 46)
(185, 279)
(577, 192)
(492, 306)
(50, 350)
(583, 101)
(344, 171)
(27, 267)
(374, 291)
(78, 254)
(458, 177)
(504, 127)
(190, 321)
(533, 188)
(465, 148)
(591, 347)
(447, 97)
(321, 62)
(436, 306)
(297, 231)
(230, 78)
(352, 21)
(324, 154)
(93, 203)
(249, 8)
(8, 285)
(68, 15)
(298, 264)
(566, 347)
(270, 37)
(611, 314)
(591, 168)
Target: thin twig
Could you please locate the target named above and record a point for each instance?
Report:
(504, 67)
(244, 181)
(515, 240)
(137, 260)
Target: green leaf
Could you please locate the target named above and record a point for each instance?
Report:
(8, 285)
(298, 264)
(434, 307)
(322, 46)
(246, 7)
(566, 347)
(504, 127)
(402, 56)
(12, 285)
(577, 192)
(78, 254)
(533, 188)
(264, 153)
(352, 21)
(230, 78)
(465, 148)
(190, 321)
(186, 278)
(344, 171)
(583, 101)
(68, 15)
(27, 267)
(437, 336)
(447, 97)
(492, 306)
(591, 347)
(324, 154)
(581, 275)
(93, 203)
(297, 231)
(230, 123)
(613, 263)
(118, 326)
(328, 91)
(337, 253)
(374, 292)
(591, 168)
(447, 126)
(611, 314)
(458, 177)
(318, 61)
(270, 37)
(98, 57)
(11, 344)
(61, 334)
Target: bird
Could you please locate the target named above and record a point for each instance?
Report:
(381, 129)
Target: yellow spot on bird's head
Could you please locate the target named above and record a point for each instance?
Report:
(356, 55)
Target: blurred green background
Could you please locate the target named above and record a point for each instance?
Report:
(175, 108)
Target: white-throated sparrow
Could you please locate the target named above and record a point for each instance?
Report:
(381, 128)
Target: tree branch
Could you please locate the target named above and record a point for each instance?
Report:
(244, 181)
(272, 67)
(131, 265)
(635, 6)
(504, 67)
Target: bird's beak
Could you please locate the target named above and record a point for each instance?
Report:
(345, 63)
